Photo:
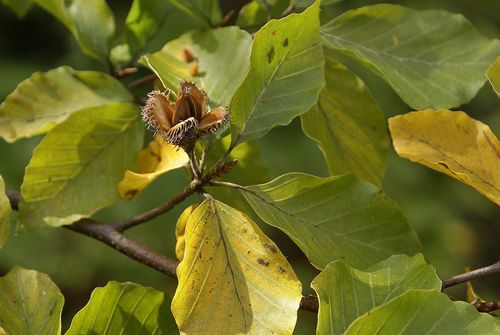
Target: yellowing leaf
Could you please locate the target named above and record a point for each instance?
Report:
(233, 279)
(451, 143)
(4, 215)
(180, 231)
(494, 75)
(159, 157)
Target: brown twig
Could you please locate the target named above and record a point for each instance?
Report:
(111, 236)
(154, 212)
(464, 277)
(142, 81)
(126, 71)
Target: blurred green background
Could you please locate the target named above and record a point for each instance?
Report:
(458, 226)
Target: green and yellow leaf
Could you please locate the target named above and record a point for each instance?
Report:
(452, 143)
(334, 218)
(348, 125)
(76, 167)
(345, 293)
(424, 311)
(220, 60)
(30, 303)
(4, 214)
(431, 58)
(47, 99)
(156, 159)
(494, 75)
(285, 76)
(233, 279)
(124, 308)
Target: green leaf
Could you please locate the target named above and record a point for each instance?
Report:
(19, 7)
(124, 308)
(348, 125)
(420, 311)
(4, 214)
(285, 77)
(221, 57)
(431, 58)
(151, 23)
(345, 293)
(74, 171)
(90, 21)
(233, 279)
(94, 26)
(258, 12)
(494, 75)
(207, 11)
(46, 99)
(452, 143)
(30, 303)
(333, 218)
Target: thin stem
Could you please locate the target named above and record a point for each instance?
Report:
(142, 81)
(194, 163)
(126, 71)
(464, 277)
(154, 212)
(111, 236)
(204, 157)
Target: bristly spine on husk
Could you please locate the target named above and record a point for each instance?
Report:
(159, 112)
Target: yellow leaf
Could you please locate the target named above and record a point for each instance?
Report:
(494, 75)
(451, 143)
(233, 279)
(156, 159)
(180, 231)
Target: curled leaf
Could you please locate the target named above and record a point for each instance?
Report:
(452, 143)
(494, 75)
(180, 231)
(156, 159)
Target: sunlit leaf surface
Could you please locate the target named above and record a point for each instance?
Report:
(156, 159)
(334, 218)
(76, 167)
(285, 77)
(430, 58)
(30, 303)
(124, 308)
(233, 279)
(452, 143)
(216, 59)
(430, 312)
(48, 98)
(348, 125)
(345, 293)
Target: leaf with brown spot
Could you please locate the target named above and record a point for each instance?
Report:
(258, 289)
(158, 158)
(452, 143)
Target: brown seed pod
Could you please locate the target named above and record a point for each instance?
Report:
(183, 122)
